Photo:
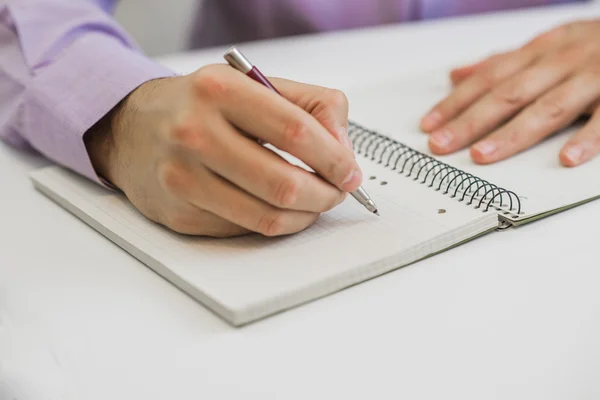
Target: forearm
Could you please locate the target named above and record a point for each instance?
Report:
(64, 64)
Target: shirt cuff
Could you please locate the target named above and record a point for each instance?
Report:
(70, 94)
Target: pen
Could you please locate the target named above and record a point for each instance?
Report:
(237, 60)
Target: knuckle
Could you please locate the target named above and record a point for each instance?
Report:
(487, 78)
(511, 95)
(494, 58)
(271, 223)
(570, 28)
(210, 82)
(295, 133)
(189, 221)
(571, 53)
(336, 98)
(286, 191)
(529, 76)
(172, 178)
(551, 36)
(179, 222)
(550, 107)
(190, 135)
(570, 56)
(498, 59)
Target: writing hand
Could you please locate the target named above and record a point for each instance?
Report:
(184, 150)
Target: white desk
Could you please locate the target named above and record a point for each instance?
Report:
(514, 315)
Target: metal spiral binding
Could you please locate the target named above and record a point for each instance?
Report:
(432, 172)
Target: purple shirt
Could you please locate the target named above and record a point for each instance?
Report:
(65, 63)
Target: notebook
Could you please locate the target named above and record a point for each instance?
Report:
(427, 205)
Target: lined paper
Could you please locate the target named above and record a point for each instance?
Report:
(247, 277)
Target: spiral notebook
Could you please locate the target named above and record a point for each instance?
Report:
(427, 205)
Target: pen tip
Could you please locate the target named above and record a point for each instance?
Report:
(376, 213)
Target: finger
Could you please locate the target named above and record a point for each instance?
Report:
(328, 106)
(264, 114)
(584, 145)
(459, 74)
(472, 88)
(190, 220)
(209, 192)
(256, 169)
(553, 111)
(553, 38)
(498, 105)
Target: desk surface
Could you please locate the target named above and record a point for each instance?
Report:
(514, 315)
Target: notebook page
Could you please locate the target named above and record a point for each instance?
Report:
(394, 108)
(252, 276)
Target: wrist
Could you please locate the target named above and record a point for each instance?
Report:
(101, 146)
(109, 141)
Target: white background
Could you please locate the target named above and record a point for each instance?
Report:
(513, 315)
(159, 26)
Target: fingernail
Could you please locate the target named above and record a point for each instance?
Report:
(351, 180)
(485, 148)
(574, 153)
(431, 120)
(442, 138)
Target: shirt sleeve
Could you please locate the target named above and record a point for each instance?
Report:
(64, 64)
(448, 8)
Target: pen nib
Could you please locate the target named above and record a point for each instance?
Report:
(376, 213)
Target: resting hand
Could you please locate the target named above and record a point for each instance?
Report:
(511, 101)
(184, 150)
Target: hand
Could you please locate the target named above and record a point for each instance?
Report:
(184, 150)
(511, 101)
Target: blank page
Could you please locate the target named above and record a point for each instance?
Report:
(250, 277)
